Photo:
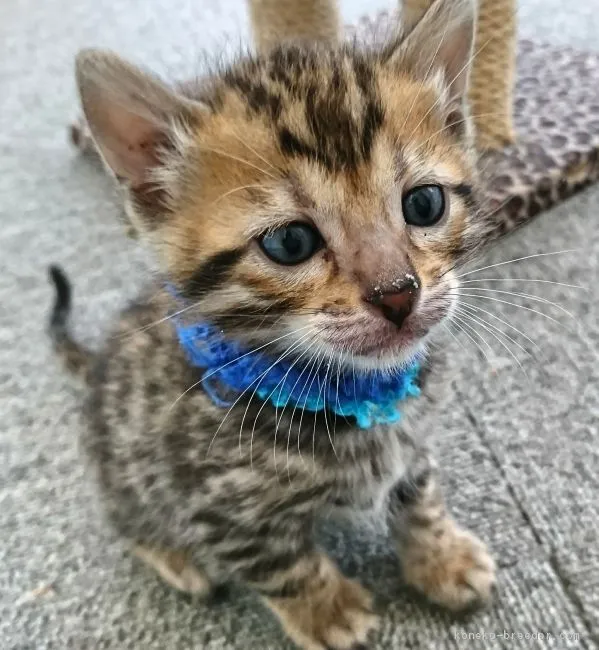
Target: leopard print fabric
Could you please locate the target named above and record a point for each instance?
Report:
(556, 115)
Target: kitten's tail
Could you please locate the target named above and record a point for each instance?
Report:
(76, 357)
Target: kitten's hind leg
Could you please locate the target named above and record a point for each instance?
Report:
(446, 563)
(175, 568)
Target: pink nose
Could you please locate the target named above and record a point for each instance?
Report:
(397, 303)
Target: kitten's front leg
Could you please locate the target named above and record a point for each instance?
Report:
(319, 608)
(446, 563)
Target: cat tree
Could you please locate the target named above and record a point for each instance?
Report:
(277, 21)
(535, 106)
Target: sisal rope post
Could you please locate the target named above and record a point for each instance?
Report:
(277, 21)
(493, 71)
(494, 74)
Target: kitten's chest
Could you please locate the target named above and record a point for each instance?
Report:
(365, 482)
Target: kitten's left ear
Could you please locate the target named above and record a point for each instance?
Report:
(441, 41)
(131, 114)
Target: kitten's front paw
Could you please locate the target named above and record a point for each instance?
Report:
(450, 566)
(335, 615)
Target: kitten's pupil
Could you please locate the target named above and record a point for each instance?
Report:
(291, 244)
(424, 205)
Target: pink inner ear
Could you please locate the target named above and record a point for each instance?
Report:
(129, 113)
(128, 142)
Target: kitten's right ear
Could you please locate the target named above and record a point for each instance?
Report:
(131, 114)
(442, 40)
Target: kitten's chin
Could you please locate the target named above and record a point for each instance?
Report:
(378, 345)
(377, 350)
(368, 342)
(389, 359)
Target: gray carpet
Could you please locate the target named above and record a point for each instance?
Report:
(519, 439)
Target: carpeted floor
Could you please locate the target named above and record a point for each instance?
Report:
(519, 440)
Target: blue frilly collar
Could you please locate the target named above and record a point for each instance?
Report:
(230, 369)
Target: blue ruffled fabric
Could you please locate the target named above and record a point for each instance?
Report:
(369, 397)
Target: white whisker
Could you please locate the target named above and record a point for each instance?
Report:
(353, 364)
(324, 406)
(302, 416)
(237, 400)
(235, 189)
(485, 324)
(463, 326)
(524, 295)
(282, 356)
(340, 364)
(279, 418)
(481, 322)
(262, 158)
(513, 304)
(559, 284)
(455, 338)
(241, 160)
(166, 318)
(518, 259)
(310, 364)
(261, 347)
(463, 303)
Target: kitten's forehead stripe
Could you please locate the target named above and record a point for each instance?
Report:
(257, 95)
(338, 110)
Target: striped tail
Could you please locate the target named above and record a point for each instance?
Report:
(75, 357)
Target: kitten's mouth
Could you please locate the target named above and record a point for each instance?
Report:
(364, 339)
(372, 341)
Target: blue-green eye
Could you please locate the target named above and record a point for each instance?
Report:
(291, 244)
(424, 206)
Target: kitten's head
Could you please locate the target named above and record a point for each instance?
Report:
(319, 197)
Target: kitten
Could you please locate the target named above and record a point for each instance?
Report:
(309, 206)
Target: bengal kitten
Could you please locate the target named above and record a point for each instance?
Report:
(309, 207)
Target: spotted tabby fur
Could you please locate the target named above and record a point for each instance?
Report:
(329, 136)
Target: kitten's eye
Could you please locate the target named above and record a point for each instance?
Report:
(291, 244)
(424, 205)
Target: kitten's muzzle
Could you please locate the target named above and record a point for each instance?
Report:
(397, 302)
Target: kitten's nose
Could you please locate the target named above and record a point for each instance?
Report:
(397, 302)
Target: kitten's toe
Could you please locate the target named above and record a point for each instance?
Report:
(175, 568)
(192, 581)
(335, 614)
(451, 567)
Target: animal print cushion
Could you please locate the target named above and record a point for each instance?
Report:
(556, 114)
